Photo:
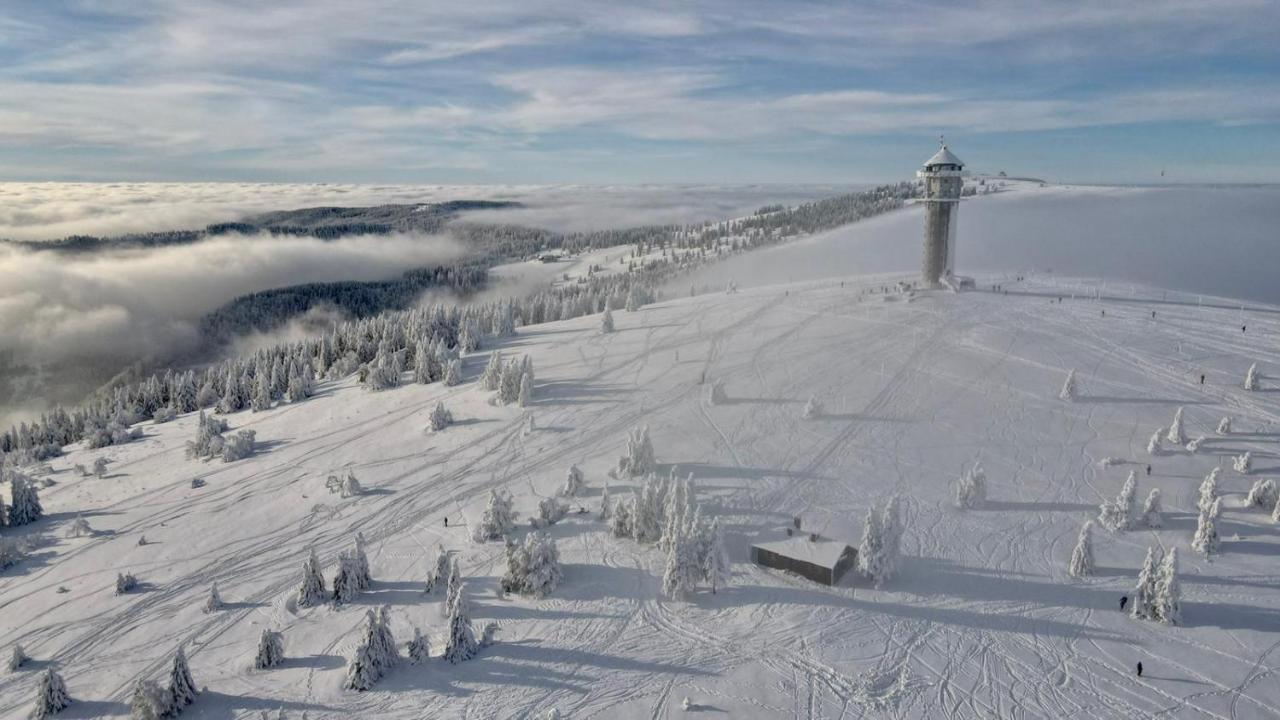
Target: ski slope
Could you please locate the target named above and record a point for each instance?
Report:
(982, 620)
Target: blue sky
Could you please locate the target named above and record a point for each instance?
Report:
(552, 91)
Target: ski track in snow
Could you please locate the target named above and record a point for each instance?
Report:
(981, 622)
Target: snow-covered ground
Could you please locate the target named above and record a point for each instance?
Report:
(982, 621)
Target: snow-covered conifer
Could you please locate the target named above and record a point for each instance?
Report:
(1167, 606)
(572, 482)
(17, 658)
(871, 553)
(812, 408)
(453, 585)
(971, 488)
(239, 446)
(1194, 446)
(550, 512)
(1275, 513)
(892, 531)
(439, 574)
(1120, 513)
(717, 569)
(1251, 378)
(491, 378)
(422, 365)
(1068, 391)
(312, 590)
(346, 580)
(541, 565)
(100, 468)
(620, 523)
(498, 519)
(364, 579)
(1144, 594)
(1208, 490)
(680, 577)
(1082, 556)
(270, 650)
(79, 528)
(526, 390)
(639, 457)
(606, 509)
(453, 372)
(606, 321)
(125, 582)
(1224, 425)
(1205, 541)
(1152, 512)
(1243, 464)
(149, 701)
(440, 418)
(51, 696)
(214, 602)
(460, 645)
(646, 517)
(351, 486)
(1153, 445)
(261, 399)
(1263, 494)
(419, 648)
(182, 689)
(1177, 434)
(370, 660)
(26, 506)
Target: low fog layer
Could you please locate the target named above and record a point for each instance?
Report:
(46, 211)
(68, 322)
(1212, 240)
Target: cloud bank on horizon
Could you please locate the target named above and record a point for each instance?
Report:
(573, 91)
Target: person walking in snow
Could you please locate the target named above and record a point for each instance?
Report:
(1139, 669)
(1201, 378)
(1124, 599)
(1148, 469)
(446, 521)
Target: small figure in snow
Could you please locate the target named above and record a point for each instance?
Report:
(1139, 669)
(446, 521)
(1104, 313)
(1124, 600)
(142, 540)
(1201, 378)
(1242, 328)
(1148, 469)
(1153, 314)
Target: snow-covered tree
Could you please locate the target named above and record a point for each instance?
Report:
(620, 522)
(534, 567)
(182, 689)
(79, 528)
(453, 372)
(419, 648)
(312, 591)
(100, 468)
(1152, 512)
(25, 507)
(812, 408)
(871, 550)
(125, 582)
(1068, 391)
(680, 577)
(213, 603)
(51, 696)
(239, 446)
(270, 650)
(364, 579)
(453, 584)
(346, 580)
(1177, 434)
(1224, 425)
(1167, 607)
(149, 701)
(1243, 464)
(892, 529)
(1194, 446)
(374, 654)
(1275, 513)
(1208, 490)
(1144, 594)
(1153, 445)
(716, 568)
(1251, 378)
(440, 418)
(461, 644)
(526, 390)
(491, 378)
(17, 658)
(716, 394)
(1206, 541)
(498, 519)
(639, 457)
(550, 512)
(351, 486)
(439, 574)
(1119, 514)
(572, 482)
(971, 488)
(1263, 494)
(606, 509)
(1082, 556)
(606, 321)
(646, 512)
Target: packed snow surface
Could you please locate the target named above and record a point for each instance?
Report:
(981, 621)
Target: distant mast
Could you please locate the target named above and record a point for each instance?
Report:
(942, 176)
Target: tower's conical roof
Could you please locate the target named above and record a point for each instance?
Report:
(943, 157)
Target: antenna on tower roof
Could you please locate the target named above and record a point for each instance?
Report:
(942, 140)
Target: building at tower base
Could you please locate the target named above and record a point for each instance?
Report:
(943, 176)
